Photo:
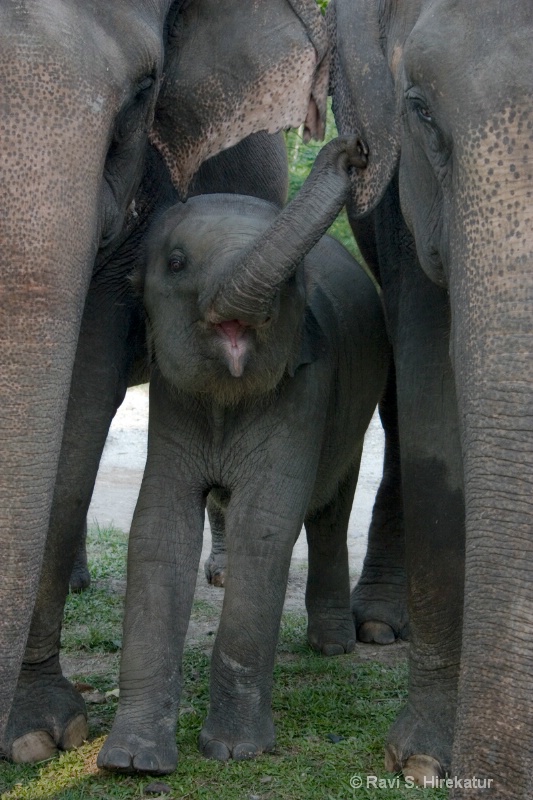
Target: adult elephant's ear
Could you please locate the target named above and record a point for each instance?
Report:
(315, 121)
(364, 95)
(233, 68)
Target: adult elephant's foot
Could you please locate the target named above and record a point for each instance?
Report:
(419, 744)
(48, 714)
(215, 569)
(219, 742)
(331, 633)
(379, 606)
(135, 746)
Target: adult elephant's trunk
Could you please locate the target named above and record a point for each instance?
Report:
(491, 287)
(248, 291)
(50, 180)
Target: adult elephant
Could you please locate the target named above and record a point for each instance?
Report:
(441, 91)
(84, 87)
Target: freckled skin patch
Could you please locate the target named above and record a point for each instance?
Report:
(51, 173)
(492, 253)
(291, 86)
(223, 110)
(47, 226)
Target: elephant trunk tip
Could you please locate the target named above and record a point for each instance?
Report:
(357, 153)
(346, 152)
(364, 151)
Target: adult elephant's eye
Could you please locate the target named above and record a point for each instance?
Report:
(177, 261)
(424, 113)
(419, 106)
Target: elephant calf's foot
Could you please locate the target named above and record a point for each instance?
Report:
(148, 749)
(80, 579)
(331, 634)
(215, 570)
(379, 607)
(420, 746)
(219, 744)
(48, 715)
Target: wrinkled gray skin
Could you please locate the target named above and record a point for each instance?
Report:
(257, 166)
(442, 94)
(251, 354)
(81, 93)
(379, 599)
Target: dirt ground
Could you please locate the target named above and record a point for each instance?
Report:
(114, 501)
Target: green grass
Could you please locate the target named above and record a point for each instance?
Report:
(93, 619)
(315, 698)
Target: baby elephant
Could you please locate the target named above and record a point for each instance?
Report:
(270, 355)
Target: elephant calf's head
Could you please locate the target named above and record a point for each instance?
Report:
(192, 248)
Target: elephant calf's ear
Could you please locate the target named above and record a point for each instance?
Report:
(137, 279)
(313, 345)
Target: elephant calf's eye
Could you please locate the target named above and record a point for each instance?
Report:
(177, 262)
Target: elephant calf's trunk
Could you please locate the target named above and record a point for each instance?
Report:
(247, 292)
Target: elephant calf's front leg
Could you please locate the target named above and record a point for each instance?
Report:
(240, 723)
(163, 558)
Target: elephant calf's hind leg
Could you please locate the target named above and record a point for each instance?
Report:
(330, 627)
(216, 563)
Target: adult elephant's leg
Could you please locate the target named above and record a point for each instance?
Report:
(51, 184)
(379, 600)
(39, 321)
(330, 627)
(491, 297)
(47, 712)
(418, 317)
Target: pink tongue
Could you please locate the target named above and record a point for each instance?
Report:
(233, 330)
